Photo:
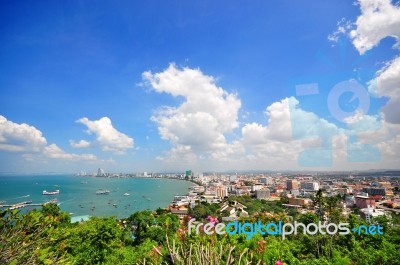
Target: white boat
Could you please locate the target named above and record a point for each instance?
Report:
(126, 194)
(45, 192)
(102, 192)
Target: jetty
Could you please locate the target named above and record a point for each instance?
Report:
(24, 204)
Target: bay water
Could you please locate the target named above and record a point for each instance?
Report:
(78, 194)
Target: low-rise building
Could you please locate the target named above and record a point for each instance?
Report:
(181, 212)
(299, 201)
(364, 202)
(374, 191)
(371, 212)
(263, 194)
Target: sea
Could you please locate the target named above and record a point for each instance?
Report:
(78, 194)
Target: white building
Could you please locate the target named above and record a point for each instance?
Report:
(256, 187)
(233, 178)
(369, 213)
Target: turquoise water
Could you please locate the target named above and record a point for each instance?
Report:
(81, 199)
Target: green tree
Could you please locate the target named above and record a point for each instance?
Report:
(52, 209)
(92, 241)
(26, 238)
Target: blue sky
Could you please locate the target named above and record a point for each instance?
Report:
(64, 62)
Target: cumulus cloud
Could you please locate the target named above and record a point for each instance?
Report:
(378, 20)
(367, 141)
(16, 137)
(387, 84)
(107, 136)
(53, 151)
(201, 122)
(30, 141)
(80, 144)
(198, 130)
(387, 140)
(287, 122)
(289, 130)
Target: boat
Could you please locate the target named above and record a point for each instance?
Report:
(45, 192)
(145, 197)
(102, 192)
(126, 194)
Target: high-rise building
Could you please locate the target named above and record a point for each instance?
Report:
(100, 172)
(292, 184)
(266, 180)
(314, 186)
(188, 174)
(221, 191)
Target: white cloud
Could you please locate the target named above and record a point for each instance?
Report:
(358, 116)
(198, 130)
(270, 146)
(53, 151)
(107, 136)
(80, 144)
(30, 141)
(287, 122)
(387, 140)
(201, 122)
(387, 84)
(289, 131)
(378, 20)
(343, 26)
(16, 137)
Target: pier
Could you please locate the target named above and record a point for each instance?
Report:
(24, 204)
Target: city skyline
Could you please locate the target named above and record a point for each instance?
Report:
(204, 86)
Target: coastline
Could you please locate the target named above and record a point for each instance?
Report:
(81, 199)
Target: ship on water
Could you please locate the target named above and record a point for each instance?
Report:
(102, 192)
(45, 192)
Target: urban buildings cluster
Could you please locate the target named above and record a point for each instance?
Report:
(373, 195)
(369, 195)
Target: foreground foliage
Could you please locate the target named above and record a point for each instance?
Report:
(48, 237)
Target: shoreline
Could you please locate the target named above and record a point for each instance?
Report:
(79, 198)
